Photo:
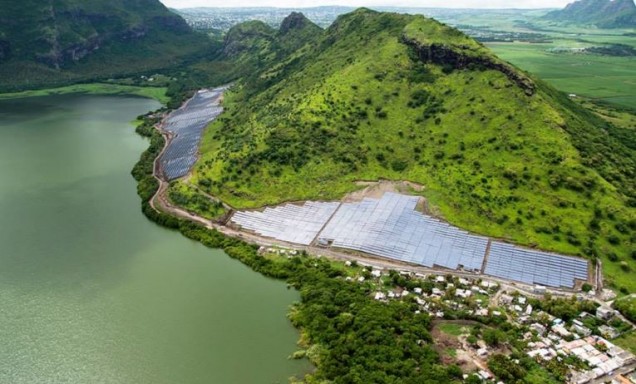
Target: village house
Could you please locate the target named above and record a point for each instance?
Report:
(605, 313)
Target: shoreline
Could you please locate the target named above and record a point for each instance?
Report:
(161, 204)
(307, 275)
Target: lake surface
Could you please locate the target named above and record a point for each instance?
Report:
(91, 291)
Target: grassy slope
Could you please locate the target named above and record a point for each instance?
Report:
(493, 160)
(595, 76)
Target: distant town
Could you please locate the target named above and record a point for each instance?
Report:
(222, 19)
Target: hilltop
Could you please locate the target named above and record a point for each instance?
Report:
(400, 97)
(602, 13)
(49, 43)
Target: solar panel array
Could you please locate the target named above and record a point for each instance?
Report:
(391, 228)
(534, 267)
(187, 125)
(291, 223)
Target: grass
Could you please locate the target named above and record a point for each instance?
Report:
(157, 93)
(485, 299)
(606, 78)
(619, 117)
(452, 329)
(192, 199)
(627, 341)
(593, 76)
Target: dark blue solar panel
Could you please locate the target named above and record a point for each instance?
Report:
(534, 267)
(186, 126)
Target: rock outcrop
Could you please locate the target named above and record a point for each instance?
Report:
(446, 55)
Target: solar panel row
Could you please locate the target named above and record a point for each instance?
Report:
(391, 227)
(534, 267)
(187, 125)
(291, 223)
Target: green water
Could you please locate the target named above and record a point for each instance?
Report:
(90, 291)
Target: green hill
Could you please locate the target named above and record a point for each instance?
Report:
(602, 13)
(388, 96)
(254, 45)
(46, 43)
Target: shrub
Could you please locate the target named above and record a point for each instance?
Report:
(627, 306)
(625, 267)
(614, 240)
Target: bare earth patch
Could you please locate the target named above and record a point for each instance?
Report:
(376, 189)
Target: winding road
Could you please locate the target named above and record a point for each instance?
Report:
(162, 204)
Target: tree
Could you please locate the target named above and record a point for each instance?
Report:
(453, 370)
(473, 379)
(506, 369)
(494, 337)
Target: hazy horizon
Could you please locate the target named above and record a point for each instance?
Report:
(487, 4)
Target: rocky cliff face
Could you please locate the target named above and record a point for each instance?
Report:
(295, 20)
(445, 55)
(251, 36)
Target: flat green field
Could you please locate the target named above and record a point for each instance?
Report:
(612, 79)
(453, 329)
(627, 341)
(156, 93)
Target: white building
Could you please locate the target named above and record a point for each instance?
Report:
(379, 296)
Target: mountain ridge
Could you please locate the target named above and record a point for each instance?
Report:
(399, 97)
(49, 42)
(602, 13)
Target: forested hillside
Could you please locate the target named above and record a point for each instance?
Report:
(388, 96)
(44, 43)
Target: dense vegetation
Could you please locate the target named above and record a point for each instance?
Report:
(498, 153)
(56, 43)
(189, 197)
(627, 306)
(621, 50)
(350, 337)
(346, 334)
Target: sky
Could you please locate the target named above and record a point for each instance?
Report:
(359, 3)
